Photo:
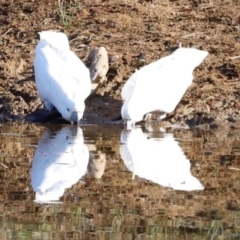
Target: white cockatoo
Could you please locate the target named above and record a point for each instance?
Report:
(63, 81)
(160, 160)
(159, 86)
(60, 160)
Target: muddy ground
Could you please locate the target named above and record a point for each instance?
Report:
(134, 33)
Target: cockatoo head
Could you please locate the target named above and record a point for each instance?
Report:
(72, 111)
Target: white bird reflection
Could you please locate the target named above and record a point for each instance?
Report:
(59, 161)
(159, 160)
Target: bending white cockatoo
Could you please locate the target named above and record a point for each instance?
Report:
(159, 86)
(160, 160)
(59, 161)
(63, 81)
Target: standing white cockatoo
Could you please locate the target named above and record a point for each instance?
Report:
(159, 86)
(63, 81)
(59, 161)
(160, 160)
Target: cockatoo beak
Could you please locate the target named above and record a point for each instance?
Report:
(75, 117)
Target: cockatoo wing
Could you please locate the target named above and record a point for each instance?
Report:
(129, 86)
(79, 72)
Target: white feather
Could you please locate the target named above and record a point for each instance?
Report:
(63, 81)
(58, 163)
(160, 85)
(162, 161)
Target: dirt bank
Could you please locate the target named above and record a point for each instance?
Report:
(134, 34)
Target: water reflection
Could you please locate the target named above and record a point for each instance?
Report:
(97, 164)
(60, 160)
(116, 207)
(160, 160)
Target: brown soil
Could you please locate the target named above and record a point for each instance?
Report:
(134, 33)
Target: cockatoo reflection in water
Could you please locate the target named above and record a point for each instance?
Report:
(59, 162)
(161, 160)
(63, 81)
(159, 86)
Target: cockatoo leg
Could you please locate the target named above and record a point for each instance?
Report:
(147, 116)
(130, 125)
(161, 117)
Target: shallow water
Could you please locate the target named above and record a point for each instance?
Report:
(103, 182)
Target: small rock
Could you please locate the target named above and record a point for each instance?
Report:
(113, 58)
(141, 57)
(99, 64)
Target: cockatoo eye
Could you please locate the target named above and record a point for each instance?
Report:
(68, 109)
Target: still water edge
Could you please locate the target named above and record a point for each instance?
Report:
(103, 182)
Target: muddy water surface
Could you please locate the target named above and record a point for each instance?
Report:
(92, 182)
